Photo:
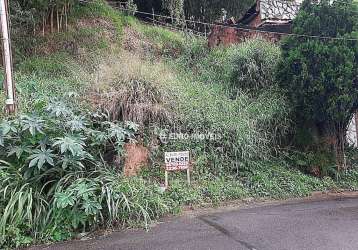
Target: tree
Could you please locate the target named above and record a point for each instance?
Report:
(175, 8)
(31, 13)
(207, 10)
(321, 75)
(149, 5)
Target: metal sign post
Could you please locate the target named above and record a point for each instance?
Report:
(177, 161)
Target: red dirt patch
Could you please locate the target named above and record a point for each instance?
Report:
(137, 157)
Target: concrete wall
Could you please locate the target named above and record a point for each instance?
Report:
(352, 132)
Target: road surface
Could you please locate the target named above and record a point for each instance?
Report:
(326, 224)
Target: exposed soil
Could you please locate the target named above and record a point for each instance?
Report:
(137, 157)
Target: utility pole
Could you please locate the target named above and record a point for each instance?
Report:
(7, 58)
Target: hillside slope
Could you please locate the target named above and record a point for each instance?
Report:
(63, 159)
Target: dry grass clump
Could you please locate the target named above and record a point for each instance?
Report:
(137, 100)
(130, 89)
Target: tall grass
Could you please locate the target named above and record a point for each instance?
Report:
(250, 120)
(168, 96)
(77, 201)
(39, 80)
(133, 89)
(248, 128)
(131, 202)
(168, 42)
(25, 205)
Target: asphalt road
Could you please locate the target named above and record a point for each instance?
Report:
(327, 224)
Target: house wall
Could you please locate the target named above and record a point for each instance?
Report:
(352, 133)
(226, 35)
(256, 21)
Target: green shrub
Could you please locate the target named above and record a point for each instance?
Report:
(221, 189)
(246, 66)
(132, 201)
(45, 153)
(194, 50)
(319, 163)
(183, 194)
(280, 182)
(15, 237)
(348, 179)
(254, 63)
(210, 66)
(34, 93)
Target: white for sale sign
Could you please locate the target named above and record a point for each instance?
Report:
(177, 161)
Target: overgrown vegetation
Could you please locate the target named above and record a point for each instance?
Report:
(47, 159)
(205, 10)
(109, 80)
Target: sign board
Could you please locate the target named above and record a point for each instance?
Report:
(177, 161)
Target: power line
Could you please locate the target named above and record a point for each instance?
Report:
(241, 28)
